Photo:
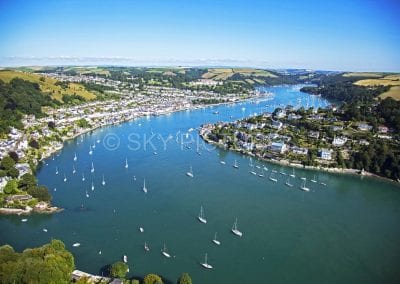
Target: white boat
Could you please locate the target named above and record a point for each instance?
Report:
(92, 186)
(87, 194)
(272, 178)
(24, 220)
(190, 172)
(98, 141)
(265, 169)
(253, 173)
(126, 163)
(45, 230)
(205, 264)
(92, 169)
(75, 157)
(292, 174)
(141, 229)
(155, 153)
(94, 146)
(125, 258)
(215, 241)
(146, 247)
(322, 183)
(103, 181)
(164, 252)
(313, 180)
(222, 162)
(90, 150)
(251, 163)
(144, 186)
(201, 217)
(83, 177)
(288, 182)
(261, 174)
(76, 244)
(55, 189)
(65, 178)
(73, 170)
(303, 186)
(235, 165)
(56, 171)
(235, 229)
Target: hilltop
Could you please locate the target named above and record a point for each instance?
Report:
(49, 85)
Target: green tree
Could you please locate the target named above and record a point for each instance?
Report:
(40, 192)
(27, 181)
(11, 187)
(13, 172)
(119, 269)
(51, 263)
(7, 163)
(152, 279)
(185, 279)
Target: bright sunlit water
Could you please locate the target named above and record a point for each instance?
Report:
(345, 232)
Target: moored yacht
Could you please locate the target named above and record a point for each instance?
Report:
(235, 229)
(205, 264)
(215, 241)
(201, 217)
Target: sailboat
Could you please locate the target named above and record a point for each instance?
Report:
(90, 150)
(190, 172)
(92, 186)
(146, 247)
(288, 182)
(83, 177)
(201, 217)
(215, 241)
(87, 194)
(235, 165)
(56, 171)
(126, 163)
(272, 178)
(125, 258)
(292, 174)
(144, 186)
(303, 186)
(73, 170)
(75, 157)
(103, 182)
(251, 162)
(164, 252)
(261, 174)
(65, 178)
(205, 264)
(92, 169)
(253, 172)
(235, 229)
(94, 146)
(313, 180)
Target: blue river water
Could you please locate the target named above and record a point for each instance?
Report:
(345, 232)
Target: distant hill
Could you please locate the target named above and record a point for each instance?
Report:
(48, 85)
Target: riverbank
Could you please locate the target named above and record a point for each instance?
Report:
(288, 163)
(30, 210)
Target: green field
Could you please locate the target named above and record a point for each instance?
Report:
(48, 85)
(225, 73)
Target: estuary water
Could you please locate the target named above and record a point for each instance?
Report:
(345, 232)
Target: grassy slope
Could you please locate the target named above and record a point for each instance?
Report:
(48, 85)
(394, 92)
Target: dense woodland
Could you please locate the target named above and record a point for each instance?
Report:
(20, 97)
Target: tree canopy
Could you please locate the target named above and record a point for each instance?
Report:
(50, 263)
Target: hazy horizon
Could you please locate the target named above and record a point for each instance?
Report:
(318, 35)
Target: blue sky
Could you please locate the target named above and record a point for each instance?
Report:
(334, 35)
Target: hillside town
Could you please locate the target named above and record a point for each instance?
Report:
(300, 138)
(41, 137)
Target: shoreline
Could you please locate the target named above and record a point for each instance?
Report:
(287, 163)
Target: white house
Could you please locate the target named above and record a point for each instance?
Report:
(325, 154)
(279, 147)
